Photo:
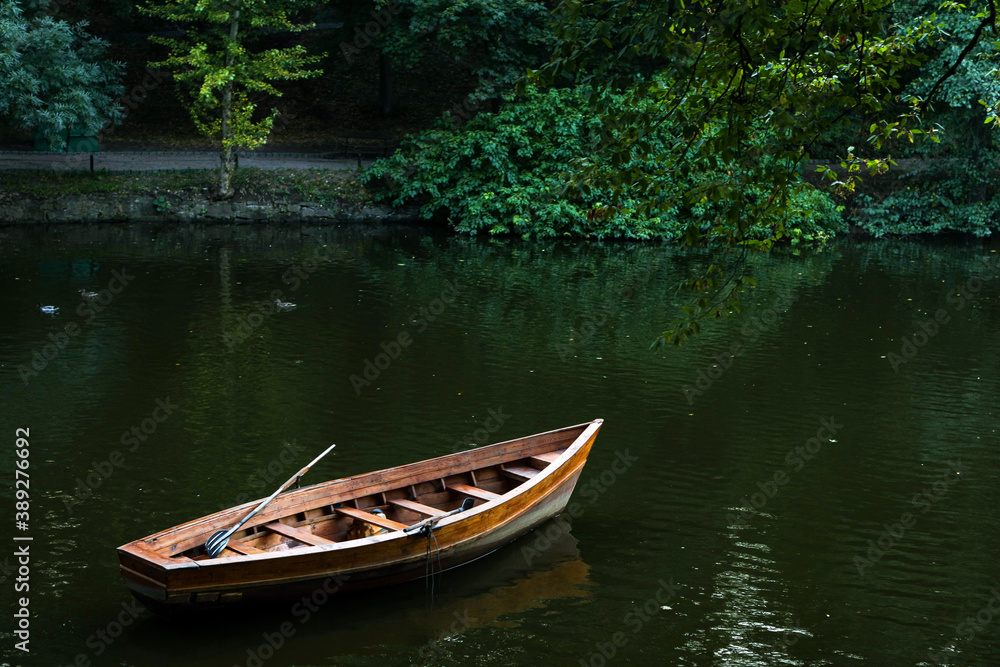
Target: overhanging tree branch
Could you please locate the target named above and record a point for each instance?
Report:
(988, 21)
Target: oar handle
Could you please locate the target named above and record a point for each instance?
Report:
(282, 488)
(306, 469)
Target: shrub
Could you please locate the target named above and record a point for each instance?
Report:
(950, 196)
(507, 173)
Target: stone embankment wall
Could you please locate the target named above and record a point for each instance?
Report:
(125, 208)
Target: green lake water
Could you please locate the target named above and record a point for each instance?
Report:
(811, 482)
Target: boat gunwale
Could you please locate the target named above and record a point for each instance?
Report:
(140, 548)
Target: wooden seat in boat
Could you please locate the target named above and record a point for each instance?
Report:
(545, 458)
(474, 491)
(373, 519)
(519, 473)
(414, 506)
(243, 549)
(296, 534)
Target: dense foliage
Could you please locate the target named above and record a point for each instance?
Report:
(951, 186)
(496, 40)
(507, 173)
(54, 76)
(728, 71)
(949, 195)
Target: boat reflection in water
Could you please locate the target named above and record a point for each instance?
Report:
(399, 624)
(516, 579)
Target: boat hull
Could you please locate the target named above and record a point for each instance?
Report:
(392, 558)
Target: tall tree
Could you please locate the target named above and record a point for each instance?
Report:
(54, 76)
(742, 81)
(224, 76)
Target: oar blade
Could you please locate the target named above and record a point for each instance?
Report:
(216, 543)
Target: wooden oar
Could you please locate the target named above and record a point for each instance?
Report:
(218, 541)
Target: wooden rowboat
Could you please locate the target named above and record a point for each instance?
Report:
(299, 543)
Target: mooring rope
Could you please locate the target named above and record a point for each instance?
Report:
(429, 564)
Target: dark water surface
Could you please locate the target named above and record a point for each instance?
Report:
(733, 505)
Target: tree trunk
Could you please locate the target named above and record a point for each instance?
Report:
(226, 156)
(386, 100)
